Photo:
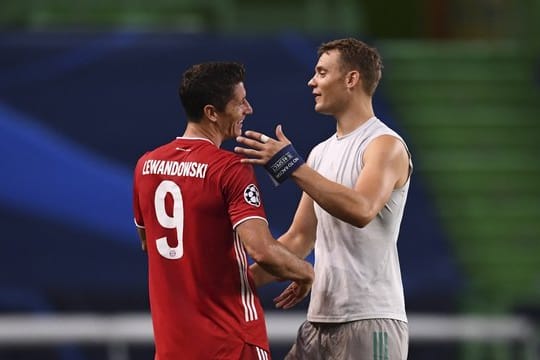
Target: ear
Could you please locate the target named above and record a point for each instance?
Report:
(210, 112)
(352, 78)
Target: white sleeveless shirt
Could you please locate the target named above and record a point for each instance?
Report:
(357, 273)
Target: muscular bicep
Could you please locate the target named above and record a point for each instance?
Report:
(386, 167)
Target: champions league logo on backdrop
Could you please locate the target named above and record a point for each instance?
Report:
(251, 195)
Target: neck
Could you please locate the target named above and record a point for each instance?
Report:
(353, 116)
(198, 130)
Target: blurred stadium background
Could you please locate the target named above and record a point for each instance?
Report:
(87, 86)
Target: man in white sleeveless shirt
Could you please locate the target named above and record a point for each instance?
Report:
(355, 187)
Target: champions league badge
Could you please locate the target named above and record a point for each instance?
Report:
(251, 195)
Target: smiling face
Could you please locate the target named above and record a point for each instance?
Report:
(329, 84)
(232, 117)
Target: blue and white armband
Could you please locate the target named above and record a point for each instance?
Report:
(282, 164)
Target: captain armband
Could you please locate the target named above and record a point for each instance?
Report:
(282, 164)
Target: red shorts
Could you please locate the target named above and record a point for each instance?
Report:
(249, 352)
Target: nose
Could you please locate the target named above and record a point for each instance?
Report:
(249, 109)
(311, 82)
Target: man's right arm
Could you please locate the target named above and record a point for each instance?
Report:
(271, 255)
(274, 258)
(386, 167)
(142, 237)
(299, 239)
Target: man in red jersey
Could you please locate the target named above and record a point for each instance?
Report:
(199, 214)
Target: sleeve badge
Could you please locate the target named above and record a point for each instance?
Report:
(251, 195)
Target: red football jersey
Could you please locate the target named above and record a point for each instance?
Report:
(189, 196)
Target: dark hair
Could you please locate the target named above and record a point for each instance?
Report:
(357, 55)
(210, 83)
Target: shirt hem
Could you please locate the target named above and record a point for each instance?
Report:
(249, 218)
(349, 318)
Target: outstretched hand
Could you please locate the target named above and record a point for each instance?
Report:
(292, 295)
(260, 148)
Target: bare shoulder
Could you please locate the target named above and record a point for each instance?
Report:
(388, 146)
(390, 152)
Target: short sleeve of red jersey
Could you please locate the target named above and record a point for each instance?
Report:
(242, 194)
(137, 214)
